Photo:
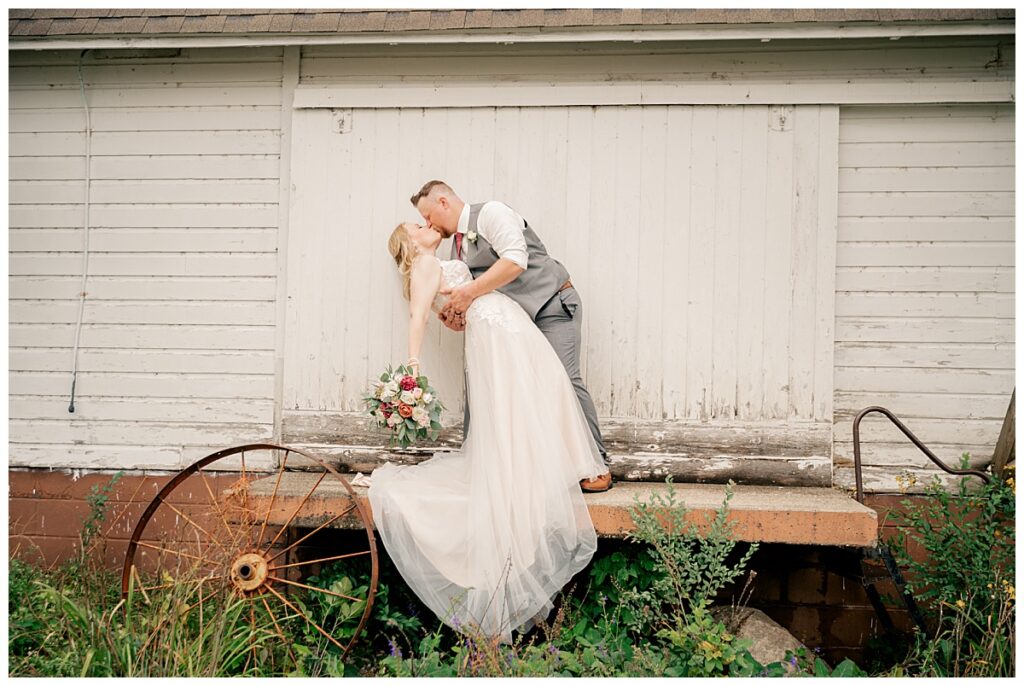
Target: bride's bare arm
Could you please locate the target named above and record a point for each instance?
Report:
(425, 280)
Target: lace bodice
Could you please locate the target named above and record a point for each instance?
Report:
(493, 307)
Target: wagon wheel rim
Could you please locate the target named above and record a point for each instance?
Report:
(247, 568)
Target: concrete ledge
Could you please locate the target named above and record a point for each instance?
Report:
(770, 514)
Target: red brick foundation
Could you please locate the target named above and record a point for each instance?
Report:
(801, 587)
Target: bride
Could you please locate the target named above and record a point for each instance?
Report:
(488, 535)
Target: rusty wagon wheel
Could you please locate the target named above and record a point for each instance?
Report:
(218, 537)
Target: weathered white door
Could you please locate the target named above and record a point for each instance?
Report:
(701, 239)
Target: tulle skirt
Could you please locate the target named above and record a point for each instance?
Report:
(488, 535)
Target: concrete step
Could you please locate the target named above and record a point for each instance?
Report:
(770, 514)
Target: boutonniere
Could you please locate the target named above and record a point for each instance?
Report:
(471, 236)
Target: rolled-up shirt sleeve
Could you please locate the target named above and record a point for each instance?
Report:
(502, 227)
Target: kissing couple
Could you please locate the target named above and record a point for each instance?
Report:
(486, 536)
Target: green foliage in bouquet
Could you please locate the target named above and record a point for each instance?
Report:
(406, 405)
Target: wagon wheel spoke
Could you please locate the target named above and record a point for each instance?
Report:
(204, 580)
(270, 545)
(308, 620)
(314, 588)
(270, 506)
(192, 522)
(277, 626)
(234, 531)
(328, 522)
(179, 553)
(322, 559)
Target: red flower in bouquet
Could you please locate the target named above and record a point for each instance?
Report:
(387, 409)
(408, 383)
(405, 410)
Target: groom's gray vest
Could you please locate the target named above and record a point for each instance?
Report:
(531, 289)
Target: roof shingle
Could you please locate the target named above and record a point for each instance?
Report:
(79, 22)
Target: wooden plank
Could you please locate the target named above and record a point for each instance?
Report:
(897, 480)
(148, 457)
(693, 91)
(906, 454)
(143, 264)
(245, 117)
(183, 95)
(142, 288)
(653, 225)
(201, 55)
(682, 467)
(145, 336)
(110, 167)
(949, 179)
(785, 439)
(1006, 444)
(926, 154)
(135, 312)
(940, 431)
(825, 284)
(804, 262)
(752, 228)
(925, 405)
(130, 192)
(99, 408)
(725, 275)
(926, 279)
(988, 305)
(941, 355)
(994, 381)
(603, 250)
(134, 433)
(579, 163)
(900, 229)
(946, 111)
(145, 216)
(144, 240)
(155, 361)
(924, 254)
(674, 255)
(778, 270)
(700, 271)
(729, 61)
(921, 204)
(232, 386)
(625, 241)
(938, 330)
(104, 143)
(911, 129)
(144, 73)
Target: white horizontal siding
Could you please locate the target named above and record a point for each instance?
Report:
(707, 286)
(925, 298)
(178, 336)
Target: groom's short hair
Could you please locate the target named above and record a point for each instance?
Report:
(425, 191)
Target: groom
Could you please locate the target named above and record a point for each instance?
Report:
(503, 253)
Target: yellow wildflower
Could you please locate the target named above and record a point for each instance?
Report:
(961, 604)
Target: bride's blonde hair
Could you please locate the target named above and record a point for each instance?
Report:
(401, 247)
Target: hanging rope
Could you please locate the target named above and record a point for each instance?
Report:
(85, 248)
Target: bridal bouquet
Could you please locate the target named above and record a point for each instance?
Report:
(406, 405)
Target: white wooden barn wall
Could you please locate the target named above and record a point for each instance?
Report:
(177, 344)
(925, 285)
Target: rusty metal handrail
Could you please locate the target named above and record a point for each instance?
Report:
(909, 434)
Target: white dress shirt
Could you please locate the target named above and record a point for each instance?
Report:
(502, 227)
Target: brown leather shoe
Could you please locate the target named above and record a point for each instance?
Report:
(598, 484)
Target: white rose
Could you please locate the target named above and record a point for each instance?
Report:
(417, 392)
(394, 419)
(408, 398)
(420, 416)
(390, 390)
(427, 397)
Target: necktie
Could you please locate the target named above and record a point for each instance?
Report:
(458, 245)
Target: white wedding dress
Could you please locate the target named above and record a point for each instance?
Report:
(488, 535)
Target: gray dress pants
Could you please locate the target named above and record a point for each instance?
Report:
(561, 322)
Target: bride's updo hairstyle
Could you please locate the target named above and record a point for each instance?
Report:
(402, 249)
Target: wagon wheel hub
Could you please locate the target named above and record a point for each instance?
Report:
(249, 571)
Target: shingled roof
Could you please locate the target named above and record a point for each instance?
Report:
(42, 23)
